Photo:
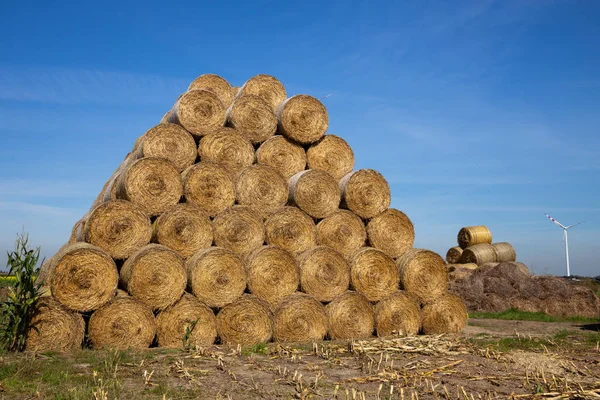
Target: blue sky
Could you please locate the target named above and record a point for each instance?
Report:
(477, 112)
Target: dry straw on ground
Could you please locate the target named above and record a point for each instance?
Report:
(374, 274)
(324, 273)
(291, 229)
(266, 87)
(302, 118)
(240, 229)
(252, 117)
(227, 148)
(398, 314)
(299, 318)
(185, 228)
(469, 266)
(343, 231)
(479, 254)
(209, 186)
(472, 235)
(216, 276)
(332, 154)
(54, 328)
(365, 192)
(316, 192)
(199, 112)
(124, 323)
(391, 232)
(447, 314)
(423, 273)
(83, 277)
(261, 187)
(287, 157)
(155, 275)
(246, 321)
(272, 274)
(505, 252)
(216, 84)
(189, 322)
(169, 141)
(119, 228)
(350, 316)
(152, 184)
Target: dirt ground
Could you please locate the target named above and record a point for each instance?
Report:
(490, 359)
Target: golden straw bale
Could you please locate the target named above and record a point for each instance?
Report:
(272, 274)
(505, 252)
(398, 314)
(423, 273)
(234, 91)
(261, 187)
(324, 273)
(479, 254)
(240, 229)
(124, 323)
(332, 154)
(374, 274)
(267, 87)
(472, 235)
(447, 314)
(153, 184)
(77, 231)
(299, 318)
(453, 267)
(350, 316)
(302, 118)
(165, 118)
(227, 147)
(246, 321)
(287, 157)
(209, 186)
(291, 229)
(119, 228)
(391, 232)
(252, 117)
(155, 275)
(365, 192)
(54, 328)
(171, 142)
(316, 192)
(343, 231)
(188, 316)
(185, 228)
(453, 255)
(199, 112)
(216, 84)
(216, 276)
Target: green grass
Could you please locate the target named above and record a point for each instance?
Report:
(563, 338)
(260, 348)
(514, 314)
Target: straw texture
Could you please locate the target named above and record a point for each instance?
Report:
(267, 87)
(453, 255)
(302, 118)
(209, 186)
(391, 232)
(261, 187)
(215, 84)
(324, 273)
(343, 231)
(239, 229)
(398, 314)
(291, 229)
(423, 273)
(171, 142)
(58, 329)
(245, 321)
(505, 252)
(287, 157)
(365, 192)
(199, 112)
(252, 117)
(472, 235)
(445, 315)
(479, 254)
(316, 192)
(299, 318)
(331, 154)
(272, 274)
(374, 274)
(227, 148)
(350, 316)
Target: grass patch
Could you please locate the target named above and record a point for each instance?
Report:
(518, 315)
(562, 339)
(260, 348)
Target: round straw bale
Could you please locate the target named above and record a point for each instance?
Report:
(199, 112)
(266, 87)
(165, 118)
(332, 154)
(228, 148)
(261, 187)
(316, 192)
(246, 321)
(287, 157)
(398, 314)
(252, 117)
(54, 328)
(457, 272)
(185, 228)
(302, 118)
(472, 235)
(155, 275)
(291, 229)
(391, 232)
(350, 316)
(423, 273)
(343, 231)
(299, 318)
(453, 255)
(124, 323)
(77, 231)
(445, 315)
(216, 276)
(188, 316)
(216, 84)
(272, 274)
(365, 192)
(479, 254)
(374, 274)
(209, 186)
(324, 273)
(234, 91)
(453, 267)
(118, 227)
(505, 252)
(153, 184)
(487, 266)
(84, 277)
(522, 267)
(171, 142)
(240, 229)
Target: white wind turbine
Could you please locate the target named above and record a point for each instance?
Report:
(565, 238)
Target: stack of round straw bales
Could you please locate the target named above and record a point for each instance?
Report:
(238, 220)
(475, 247)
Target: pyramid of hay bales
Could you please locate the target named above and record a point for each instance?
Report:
(239, 220)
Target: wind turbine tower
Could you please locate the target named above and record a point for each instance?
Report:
(565, 238)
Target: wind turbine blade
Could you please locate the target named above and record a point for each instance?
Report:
(555, 221)
(570, 226)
